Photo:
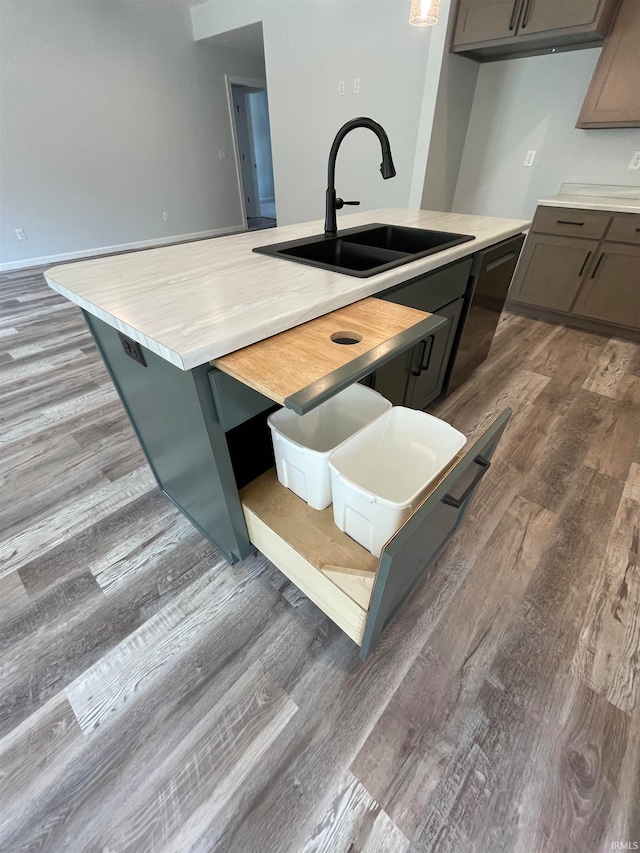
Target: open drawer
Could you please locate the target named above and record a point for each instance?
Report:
(306, 365)
(359, 592)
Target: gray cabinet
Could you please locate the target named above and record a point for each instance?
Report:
(551, 270)
(619, 304)
(592, 283)
(494, 29)
(613, 97)
(416, 378)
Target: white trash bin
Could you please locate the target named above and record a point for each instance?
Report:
(379, 475)
(302, 443)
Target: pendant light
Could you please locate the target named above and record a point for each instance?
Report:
(424, 13)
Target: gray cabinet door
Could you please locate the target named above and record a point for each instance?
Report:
(545, 16)
(485, 20)
(408, 558)
(415, 378)
(613, 97)
(551, 270)
(612, 290)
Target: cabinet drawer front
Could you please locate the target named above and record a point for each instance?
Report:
(409, 556)
(625, 229)
(570, 223)
(431, 291)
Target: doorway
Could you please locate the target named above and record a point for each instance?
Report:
(249, 110)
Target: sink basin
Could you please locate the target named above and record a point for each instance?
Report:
(367, 250)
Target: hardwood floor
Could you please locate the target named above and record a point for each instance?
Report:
(153, 698)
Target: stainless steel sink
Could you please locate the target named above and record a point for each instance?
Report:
(367, 250)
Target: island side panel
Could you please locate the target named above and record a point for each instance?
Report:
(175, 419)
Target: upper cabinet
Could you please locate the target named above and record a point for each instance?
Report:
(613, 98)
(495, 29)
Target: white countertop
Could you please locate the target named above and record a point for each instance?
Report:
(192, 302)
(613, 204)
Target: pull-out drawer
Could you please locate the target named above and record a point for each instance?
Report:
(359, 592)
(305, 366)
(570, 222)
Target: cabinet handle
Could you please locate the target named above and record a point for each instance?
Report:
(425, 364)
(512, 21)
(584, 263)
(597, 266)
(449, 500)
(567, 222)
(525, 17)
(417, 372)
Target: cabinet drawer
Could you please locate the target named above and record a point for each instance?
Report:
(357, 591)
(306, 365)
(570, 223)
(430, 291)
(625, 229)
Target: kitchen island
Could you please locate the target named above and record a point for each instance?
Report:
(160, 317)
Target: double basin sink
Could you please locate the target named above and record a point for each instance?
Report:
(367, 250)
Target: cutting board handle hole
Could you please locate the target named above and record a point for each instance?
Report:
(346, 338)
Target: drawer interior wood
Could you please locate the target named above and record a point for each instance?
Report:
(327, 565)
(306, 365)
(570, 222)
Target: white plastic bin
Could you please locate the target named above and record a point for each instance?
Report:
(302, 443)
(379, 476)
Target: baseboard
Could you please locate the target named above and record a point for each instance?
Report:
(548, 315)
(122, 247)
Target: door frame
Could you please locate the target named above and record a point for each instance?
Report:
(254, 83)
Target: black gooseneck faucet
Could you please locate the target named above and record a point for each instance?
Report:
(387, 168)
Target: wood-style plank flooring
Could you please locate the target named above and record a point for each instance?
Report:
(153, 698)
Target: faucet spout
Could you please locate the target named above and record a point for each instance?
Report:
(387, 169)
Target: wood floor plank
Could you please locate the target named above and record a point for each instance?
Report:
(402, 758)
(244, 721)
(569, 801)
(354, 821)
(101, 693)
(606, 658)
(23, 546)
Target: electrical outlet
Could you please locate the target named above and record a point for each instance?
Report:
(132, 349)
(341, 87)
(20, 234)
(222, 154)
(635, 161)
(166, 216)
(356, 85)
(531, 156)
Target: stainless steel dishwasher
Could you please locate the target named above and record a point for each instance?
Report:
(489, 282)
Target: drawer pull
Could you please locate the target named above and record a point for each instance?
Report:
(584, 263)
(597, 266)
(422, 364)
(512, 21)
(484, 464)
(568, 222)
(525, 19)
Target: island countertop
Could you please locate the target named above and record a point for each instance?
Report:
(193, 302)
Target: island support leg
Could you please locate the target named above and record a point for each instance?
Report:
(174, 417)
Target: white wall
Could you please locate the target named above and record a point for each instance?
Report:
(111, 114)
(533, 104)
(309, 47)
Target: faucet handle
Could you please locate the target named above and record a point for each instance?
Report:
(340, 203)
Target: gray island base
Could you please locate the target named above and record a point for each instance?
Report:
(205, 436)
